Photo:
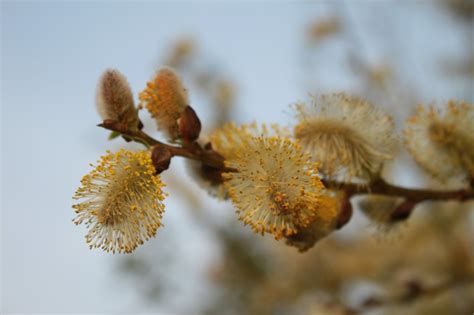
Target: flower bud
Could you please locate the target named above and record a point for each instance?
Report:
(403, 211)
(161, 158)
(189, 125)
(114, 99)
(166, 99)
(345, 213)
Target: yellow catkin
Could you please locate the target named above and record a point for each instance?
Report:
(442, 140)
(165, 98)
(227, 140)
(121, 201)
(276, 188)
(348, 136)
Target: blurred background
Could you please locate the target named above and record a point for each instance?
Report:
(241, 61)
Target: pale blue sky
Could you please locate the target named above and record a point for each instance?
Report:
(52, 55)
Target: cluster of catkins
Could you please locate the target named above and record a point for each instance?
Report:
(274, 176)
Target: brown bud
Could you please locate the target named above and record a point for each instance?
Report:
(113, 125)
(403, 211)
(345, 214)
(189, 125)
(161, 158)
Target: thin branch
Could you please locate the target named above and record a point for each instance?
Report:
(417, 195)
(213, 159)
(191, 151)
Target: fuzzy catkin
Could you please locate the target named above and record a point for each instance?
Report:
(349, 137)
(114, 99)
(121, 201)
(442, 140)
(165, 98)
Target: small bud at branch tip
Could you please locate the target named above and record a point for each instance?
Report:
(189, 125)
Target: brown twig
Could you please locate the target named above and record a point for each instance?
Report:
(380, 186)
(191, 151)
(213, 159)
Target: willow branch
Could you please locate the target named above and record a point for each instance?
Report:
(380, 186)
(211, 158)
(191, 151)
